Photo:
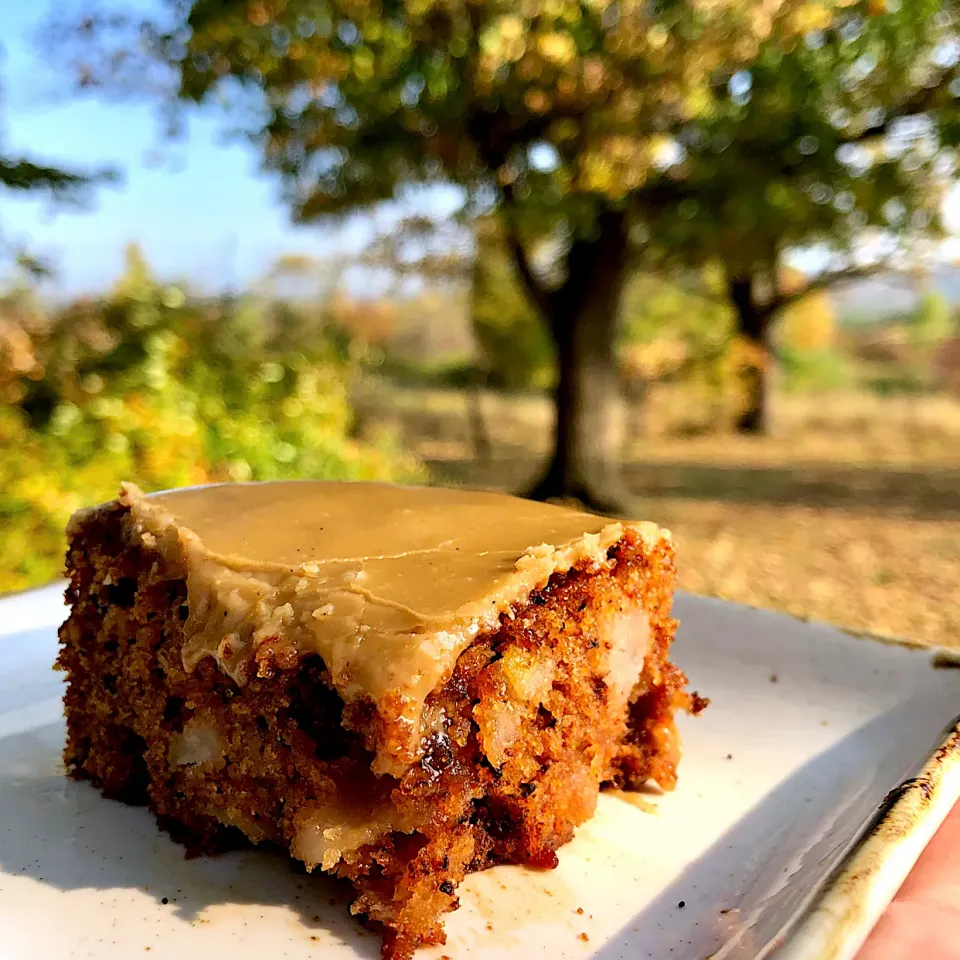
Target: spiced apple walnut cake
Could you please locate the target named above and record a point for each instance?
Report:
(398, 685)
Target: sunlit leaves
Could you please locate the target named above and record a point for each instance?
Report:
(807, 146)
(152, 386)
(420, 89)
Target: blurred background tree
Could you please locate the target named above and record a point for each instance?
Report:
(840, 141)
(552, 115)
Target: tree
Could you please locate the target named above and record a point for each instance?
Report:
(931, 322)
(19, 174)
(22, 175)
(550, 114)
(847, 131)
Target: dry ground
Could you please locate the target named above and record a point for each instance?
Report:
(849, 514)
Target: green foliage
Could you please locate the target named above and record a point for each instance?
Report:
(678, 307)
(367, 97)
(903, 382)
(26, 176)
(152, 387)
(814, 370)
(677, 328)
(516, 350)
(809, 324)
(932, 321)
(558, 110)
(795, 152)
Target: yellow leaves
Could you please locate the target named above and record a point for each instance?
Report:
(808, 324)
(761, 22)
(615, 166)
(510, 27)
(566, 88)
(595, 74)
(746, 48)
(628, 105)
(811, 16)
(557, 48)
(657, 36)
(698, 102)
(218, 33)
(258, 14)
(332, 65)
(654, 359)
(197, 398)
(363, 64)
(502, 41)
(537, 101)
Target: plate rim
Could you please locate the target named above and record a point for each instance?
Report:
(838, 918)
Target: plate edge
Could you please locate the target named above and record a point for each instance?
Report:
(841, 916)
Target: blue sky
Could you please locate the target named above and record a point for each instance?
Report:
(203, 213)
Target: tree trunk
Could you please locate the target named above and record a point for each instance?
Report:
(582, 318)
(482, 447)
(753, 325)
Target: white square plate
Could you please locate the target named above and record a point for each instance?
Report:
(808, 788)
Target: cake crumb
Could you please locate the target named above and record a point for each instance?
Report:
(580, 911)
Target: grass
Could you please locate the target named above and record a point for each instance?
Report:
(850, 513)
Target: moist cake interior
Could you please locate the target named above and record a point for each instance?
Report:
(503, 661)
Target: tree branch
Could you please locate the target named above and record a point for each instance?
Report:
(824, 281)
(929, 98)
(538, 294)
(24, 175)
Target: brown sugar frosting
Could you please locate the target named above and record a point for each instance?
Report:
(387, 584)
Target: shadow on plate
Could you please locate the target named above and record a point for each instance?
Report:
(64, 834)
(788, 845)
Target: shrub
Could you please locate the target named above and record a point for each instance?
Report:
(152, 387)
(814, 370)
(932, 321)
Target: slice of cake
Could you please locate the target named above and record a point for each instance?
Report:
(397, 685)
